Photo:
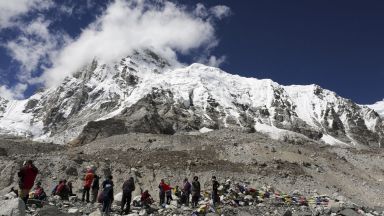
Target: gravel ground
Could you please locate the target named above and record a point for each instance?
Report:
(252, 158)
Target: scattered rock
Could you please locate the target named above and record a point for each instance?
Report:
(143, 212)
(287, 213)
(348, 212)
(12, 207)
(72, 198)
(51, 210)
(118, 197)
(10, 195)
(73, 210)
(95, 213)
(72, 171)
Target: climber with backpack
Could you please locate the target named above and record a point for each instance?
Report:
(107, 195)
(88, 179)
(128, 188)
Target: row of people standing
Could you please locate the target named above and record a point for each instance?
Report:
(28, 173)
(27, 176)
(188, 190)
(165, 193)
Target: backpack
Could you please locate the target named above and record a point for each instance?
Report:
(128, 186)
(188, 187)
(95, 182)
(107, 193)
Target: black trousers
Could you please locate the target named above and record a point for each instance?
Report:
(185, 198)
(195, 199)
(85, 194)
(169, 196)
(215, 198)
(126, 199)
(162, 197)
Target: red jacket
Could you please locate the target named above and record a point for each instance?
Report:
(165, 187)
(88, 179)
(146, 197)
(60, 188)
(28, 175)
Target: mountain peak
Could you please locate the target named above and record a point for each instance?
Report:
(143, 92)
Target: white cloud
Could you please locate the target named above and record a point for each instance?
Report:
(215, 61)
(66, 9)
(16, 92)
(200, 10)
(165, 27)
(35, 46)
(162, 26)
(11, 9)
(220, 11)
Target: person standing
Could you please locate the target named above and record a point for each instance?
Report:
(168, 193)
(196, 189)
(88, 179)
(162, 188)
(95, 188)
(27, 176)
(107, 195)
(128, 188)
(215, 188)
(70, 188)
(186, 191)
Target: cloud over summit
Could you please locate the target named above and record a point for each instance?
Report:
(165, 27)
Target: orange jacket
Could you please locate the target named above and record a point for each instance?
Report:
(88, 179)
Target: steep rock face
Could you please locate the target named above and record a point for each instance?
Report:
(3, 105)
(143, 93)
(59, 114)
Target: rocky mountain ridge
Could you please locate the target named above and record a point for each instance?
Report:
(145, 93)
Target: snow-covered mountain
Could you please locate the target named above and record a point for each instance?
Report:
(378, 107)
(144, 93)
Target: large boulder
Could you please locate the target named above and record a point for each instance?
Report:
(12, 207)
(117, 198)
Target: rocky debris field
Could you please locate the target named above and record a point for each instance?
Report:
(347, 180)
(236, 199)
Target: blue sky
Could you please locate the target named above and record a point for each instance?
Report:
(335, 44)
